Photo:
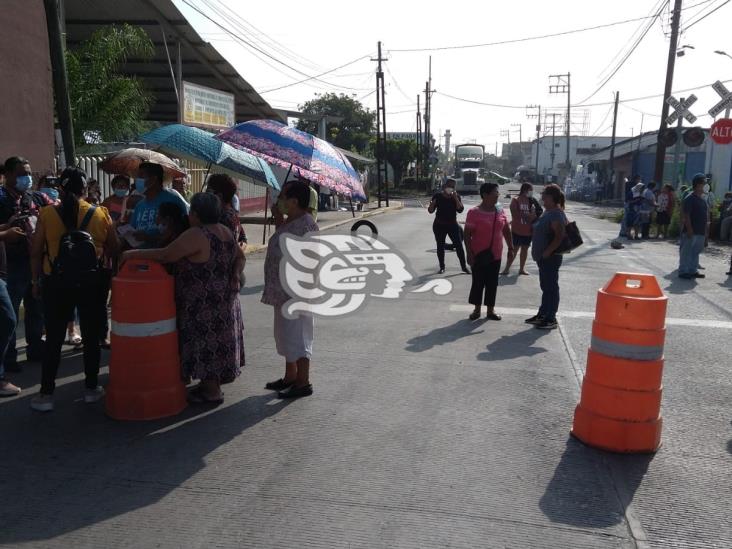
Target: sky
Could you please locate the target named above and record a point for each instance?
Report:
(260, 38)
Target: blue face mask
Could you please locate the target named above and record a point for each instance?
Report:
(139, 184)
(50, 193)
(120, 192)
(23, 183)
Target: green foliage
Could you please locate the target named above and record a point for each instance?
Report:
(399, 153)
(618, 217)
(352, 133)
(104, 102)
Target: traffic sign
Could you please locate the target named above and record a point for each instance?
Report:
(722, 131)
(725, 103)
(681, 109)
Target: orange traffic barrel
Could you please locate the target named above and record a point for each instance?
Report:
(144, 369)
(620, 404)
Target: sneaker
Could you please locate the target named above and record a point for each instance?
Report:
(536, 319)
(42, 403)
(7, 389)
(93, 395)
(547, 325)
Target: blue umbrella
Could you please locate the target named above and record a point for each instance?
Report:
(200, 146)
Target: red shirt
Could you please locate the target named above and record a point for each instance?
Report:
(521, 210)
(484, 227)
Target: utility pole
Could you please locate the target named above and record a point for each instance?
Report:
(673, 46)
(562, 84)
(538, 131)
(553, 153)
(521, 141)
(381, 171)
(60, 80)
(612, 144)
(427, 122)
(418, 167)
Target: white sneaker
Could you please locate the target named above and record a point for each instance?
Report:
(93, 395)
(7, 389)
(42, 403)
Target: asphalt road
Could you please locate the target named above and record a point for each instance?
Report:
(425, 430)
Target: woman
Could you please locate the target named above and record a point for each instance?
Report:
(116, 203)
(225, 188)
(547, 236)
(484, 227)
(523, 215)
(293, 337)
(665, 209)
(210, 327)
(63, 288)
(446, 205)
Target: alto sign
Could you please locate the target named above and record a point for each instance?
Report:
(721, 131)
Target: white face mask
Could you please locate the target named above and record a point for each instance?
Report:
(707, 188)
(530, 194)
(449, 190)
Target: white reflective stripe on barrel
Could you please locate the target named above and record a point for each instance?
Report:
(144, 329)
(625, 350)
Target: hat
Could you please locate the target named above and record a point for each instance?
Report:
(699, 178)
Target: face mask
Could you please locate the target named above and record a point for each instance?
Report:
(707, 188)
(530, 194)
(282, 206)
(140, 185)
(449, 190)
(235, 203)
(50, 193)
(23, 183)
(120, 192)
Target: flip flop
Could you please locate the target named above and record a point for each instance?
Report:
(196, 396)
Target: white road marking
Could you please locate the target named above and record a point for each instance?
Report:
(692, 322)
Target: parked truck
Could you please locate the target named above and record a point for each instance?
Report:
(469, 168)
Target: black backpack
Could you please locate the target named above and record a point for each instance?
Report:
(76, 263)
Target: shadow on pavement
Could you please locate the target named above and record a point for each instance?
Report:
(581, 493)
(679, 285)
(442, 336)
(75, 467)
(518, 345)
(729, 446)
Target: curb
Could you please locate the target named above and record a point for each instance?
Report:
(256, 248)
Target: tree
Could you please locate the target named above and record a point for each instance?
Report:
(352, 133)
(399, 153)
(106, 105)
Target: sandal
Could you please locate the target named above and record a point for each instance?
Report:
(475, 315)
(196, 396)
(492, 316)
(279, 385)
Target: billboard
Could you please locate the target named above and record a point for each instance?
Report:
(207, 107)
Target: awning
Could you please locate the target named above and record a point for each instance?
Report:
(201, 62)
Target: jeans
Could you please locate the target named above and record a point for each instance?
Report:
(549, 283)
(58, 305)
(442, 230)
(485, 276)
(7, 324)
(691, 247)
(20, 289)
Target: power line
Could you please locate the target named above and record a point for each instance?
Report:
(627, 56)
(524, 39)
(317, 76)
(263, 52)
(398, 87)
(604, 119)
(687, 27)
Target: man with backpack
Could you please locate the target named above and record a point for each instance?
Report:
(68, 245)
(20, 207)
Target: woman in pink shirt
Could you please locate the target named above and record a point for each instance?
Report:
(485, 229)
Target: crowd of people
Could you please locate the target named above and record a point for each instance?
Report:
(540, 228)
(61, 242)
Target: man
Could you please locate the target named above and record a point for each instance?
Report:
(694, 215)
(145, 217)
(20, 206)
(447, 204)
(183, 188)
(647, 207)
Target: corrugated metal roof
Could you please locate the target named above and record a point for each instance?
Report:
(202, 63)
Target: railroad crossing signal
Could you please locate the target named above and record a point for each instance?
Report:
(725, 103)
(681, 109)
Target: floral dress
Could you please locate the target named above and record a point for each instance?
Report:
(210, 325)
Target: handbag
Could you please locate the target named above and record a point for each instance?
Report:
(572, 239)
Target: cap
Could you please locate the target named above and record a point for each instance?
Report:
(699, 178)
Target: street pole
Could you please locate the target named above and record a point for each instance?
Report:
(562, 84)
(569, 120)
(673, 45)
(538, 132)
(381, 130)
(553, 154)
(418, 167)
(60, 80)
(677, 149)
(612, 145)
